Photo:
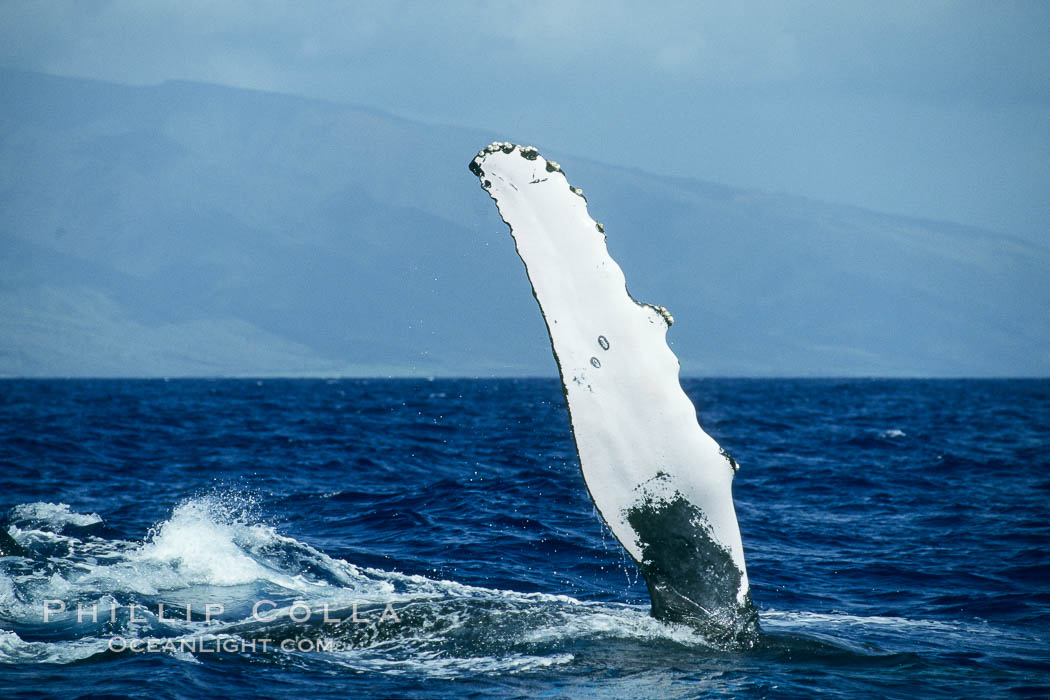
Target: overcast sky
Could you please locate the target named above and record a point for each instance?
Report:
(933, 108)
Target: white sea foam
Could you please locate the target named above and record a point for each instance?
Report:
(13, 649)
(200, 544)
(892, 633)
(188, 558)
(206, 552)
(609, 620)
(54, 514)
(776, 618)
(435, 665)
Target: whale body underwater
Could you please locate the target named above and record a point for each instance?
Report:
(662, 485)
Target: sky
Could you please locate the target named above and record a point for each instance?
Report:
(938, 109)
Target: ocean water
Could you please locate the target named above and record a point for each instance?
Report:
(896, 534)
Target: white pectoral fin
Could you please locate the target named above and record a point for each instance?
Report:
(660, 482)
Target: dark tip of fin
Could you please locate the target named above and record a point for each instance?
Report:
(692, 579)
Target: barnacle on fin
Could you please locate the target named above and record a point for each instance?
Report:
(729, 458)
(666, 314)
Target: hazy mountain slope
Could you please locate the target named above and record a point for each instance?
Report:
(194, 229)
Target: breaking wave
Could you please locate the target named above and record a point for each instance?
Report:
(211, 580)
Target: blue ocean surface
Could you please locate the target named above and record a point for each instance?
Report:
(896, 534)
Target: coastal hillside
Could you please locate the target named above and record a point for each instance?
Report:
(193, 230)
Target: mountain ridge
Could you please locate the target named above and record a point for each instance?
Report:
(303, 236)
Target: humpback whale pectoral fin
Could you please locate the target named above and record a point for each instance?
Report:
(658, 480)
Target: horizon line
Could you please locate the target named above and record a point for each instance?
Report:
(452, 377)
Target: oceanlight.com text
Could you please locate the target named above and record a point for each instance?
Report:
(228, 645)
